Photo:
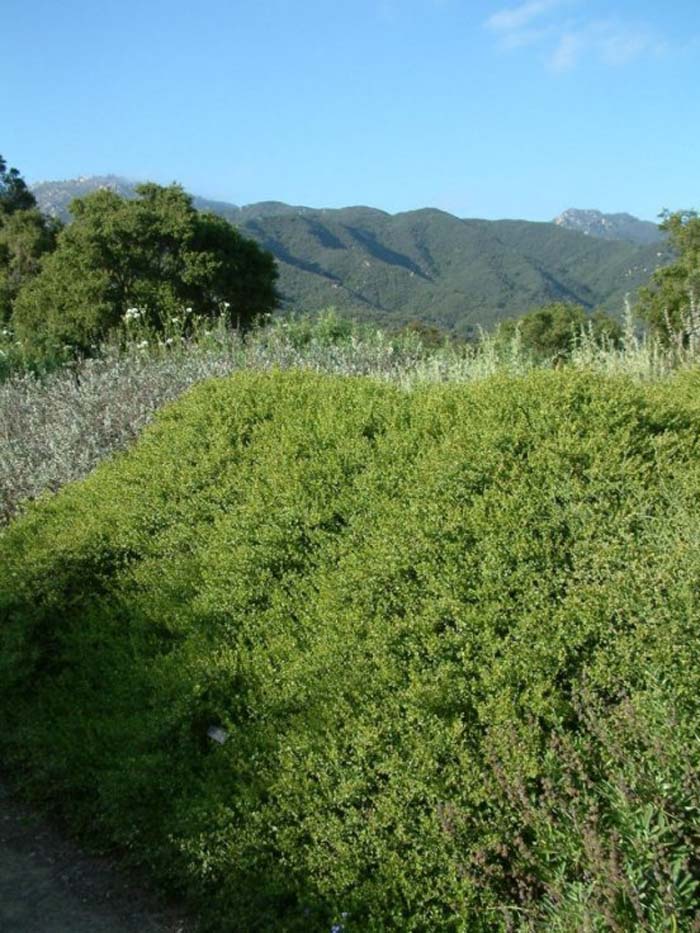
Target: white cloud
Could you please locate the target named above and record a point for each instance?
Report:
(519, 38)
(566, 53)
(610, 42)
(518, 17)
(617, 46)
(566, 39)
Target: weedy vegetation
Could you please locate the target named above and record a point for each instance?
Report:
(61, 414)
(448, 627)
(333, 629)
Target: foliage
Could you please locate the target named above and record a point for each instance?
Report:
(61, 415)
(552, 332)
(451, 634)
(152, 256)
(452, 273)
(14, 194)
(428, 265)
(25, 237)
(670, 304)
(429, 335)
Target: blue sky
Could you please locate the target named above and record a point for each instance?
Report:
(485, 109)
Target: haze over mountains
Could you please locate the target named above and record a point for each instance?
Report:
(428, 264)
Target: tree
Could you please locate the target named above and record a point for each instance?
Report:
(670, 304)
(155, 253)
(551, 331)
(25, 236)
(14, 193)
(430, 335)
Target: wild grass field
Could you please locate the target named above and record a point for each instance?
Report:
(360, 635)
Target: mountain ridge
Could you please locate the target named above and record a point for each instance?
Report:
(427, 264)
(620, 226)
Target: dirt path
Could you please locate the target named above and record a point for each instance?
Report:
(48, 885)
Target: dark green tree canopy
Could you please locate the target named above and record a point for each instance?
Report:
(551, 331)
(670, 304)
(25, 236)
(155, 253)
(14, 193)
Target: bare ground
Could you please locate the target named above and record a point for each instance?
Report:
(49, 885)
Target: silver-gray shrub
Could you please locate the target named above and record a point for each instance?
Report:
(55, 428)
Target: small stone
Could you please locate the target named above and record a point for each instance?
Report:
(217, 734)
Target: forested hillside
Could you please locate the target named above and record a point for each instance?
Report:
(425, 264)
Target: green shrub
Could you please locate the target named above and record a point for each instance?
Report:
(451, 634)
(554, 331)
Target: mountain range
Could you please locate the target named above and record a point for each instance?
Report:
(429, 265)
(610, 226)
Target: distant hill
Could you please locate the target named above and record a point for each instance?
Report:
(425, 264)
(54, 197)
(610, 226)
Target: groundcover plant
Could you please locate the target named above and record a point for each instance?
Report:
(60, 416)
(324, 651)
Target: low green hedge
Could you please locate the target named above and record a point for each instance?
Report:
(451, 634)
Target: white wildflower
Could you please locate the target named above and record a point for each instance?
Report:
(132, 314)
